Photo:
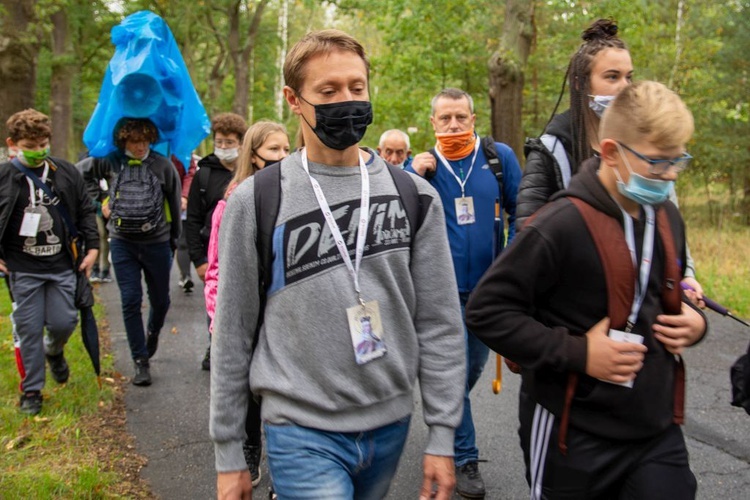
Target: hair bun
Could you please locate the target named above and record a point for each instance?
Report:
(601, 29)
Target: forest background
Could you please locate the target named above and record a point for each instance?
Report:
(511, 56)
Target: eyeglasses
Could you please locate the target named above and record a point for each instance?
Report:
(229, 143)
(659, 166)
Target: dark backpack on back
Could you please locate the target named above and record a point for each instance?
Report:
(137, 201)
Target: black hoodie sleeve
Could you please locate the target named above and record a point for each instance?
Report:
(194, 222)
(501, 310)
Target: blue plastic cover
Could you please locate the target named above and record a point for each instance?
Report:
(147, 78)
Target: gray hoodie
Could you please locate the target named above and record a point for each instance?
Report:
(304, 364)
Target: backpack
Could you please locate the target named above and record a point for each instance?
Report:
(740, 378)
(267, 191)
(620, 280)
(137, 200)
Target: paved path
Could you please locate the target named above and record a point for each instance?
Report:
(170, 418)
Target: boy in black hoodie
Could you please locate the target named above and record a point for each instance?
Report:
(599, 416)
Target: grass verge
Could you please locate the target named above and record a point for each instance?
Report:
(77, 446)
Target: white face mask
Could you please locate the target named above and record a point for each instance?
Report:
(599, 103)
(228, 155)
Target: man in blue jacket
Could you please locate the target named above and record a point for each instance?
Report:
(458, 169)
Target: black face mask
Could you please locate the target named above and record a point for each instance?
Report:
(340, 125)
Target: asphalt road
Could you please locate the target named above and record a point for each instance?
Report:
(170, 418)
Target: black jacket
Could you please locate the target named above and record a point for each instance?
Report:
(209, 184)
(541, 175)
(547, 289)
(69, 187)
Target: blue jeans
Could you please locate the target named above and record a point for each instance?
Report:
(129, 259)
(465, 446)
(308, 463)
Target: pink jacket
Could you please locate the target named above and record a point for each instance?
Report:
(212, 272)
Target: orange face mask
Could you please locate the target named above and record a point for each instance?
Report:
(456, 145)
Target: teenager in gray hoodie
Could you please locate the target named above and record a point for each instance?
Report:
(336, 418)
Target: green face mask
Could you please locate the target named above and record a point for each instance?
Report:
(35, 158)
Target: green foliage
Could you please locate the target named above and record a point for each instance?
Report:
(51, 455)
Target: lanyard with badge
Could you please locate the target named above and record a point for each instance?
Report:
(365, 325)
(641, 281)
(465, 213)
(32, 214)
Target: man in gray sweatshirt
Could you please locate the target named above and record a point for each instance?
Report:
(348, 267)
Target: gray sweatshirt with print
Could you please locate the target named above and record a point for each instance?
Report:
(304, 364)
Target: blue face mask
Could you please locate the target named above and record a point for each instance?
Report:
(640, 189)
(599, 103)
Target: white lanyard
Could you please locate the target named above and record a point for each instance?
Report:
(471, 167)
(364, 215)
(647, 252)
(32, 187)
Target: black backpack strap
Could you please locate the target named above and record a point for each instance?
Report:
(410, 199)
(493, 160)
(267, 191)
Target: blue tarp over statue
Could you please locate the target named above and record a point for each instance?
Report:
(147, 78)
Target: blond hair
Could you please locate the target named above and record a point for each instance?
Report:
(648, 111)
(254, 139)
(314, 43)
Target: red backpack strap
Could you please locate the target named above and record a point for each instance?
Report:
(617, 263)
(671, 299)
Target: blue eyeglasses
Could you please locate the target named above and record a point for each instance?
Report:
(660, 166)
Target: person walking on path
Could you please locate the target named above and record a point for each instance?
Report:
(601, 353)
(35, 249)
(265, 143)
(458, 168)
(143, 209)
(208, 189)
(335, 421)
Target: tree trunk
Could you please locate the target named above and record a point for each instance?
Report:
(63, 72)
(242, 59)
(506, 69)
(18, 52)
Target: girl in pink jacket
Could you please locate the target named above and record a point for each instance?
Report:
(264, 143)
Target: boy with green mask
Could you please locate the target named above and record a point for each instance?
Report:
(35, 250)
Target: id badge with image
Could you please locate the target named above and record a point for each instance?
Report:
(366, 330)
(465, 210)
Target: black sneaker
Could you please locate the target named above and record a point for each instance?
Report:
(252, 457)
(187, 285)
(59, 368)
(31, 402)
(105, 277)
(95, 278)
(152, 343)
(469, 483)
(206, 363)
(142, 374)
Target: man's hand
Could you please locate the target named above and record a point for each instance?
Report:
(423, 163)
(234, 485)
(681, 330)
(609, 359)
(183, 204)
(106, 212)
(87, 264)
(438, 471)
(3, 267)
(695, 292)
(201, 271)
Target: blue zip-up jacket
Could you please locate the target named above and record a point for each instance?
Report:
(474, 246)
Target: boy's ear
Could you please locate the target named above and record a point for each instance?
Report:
(9, 142)
(610, 153)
